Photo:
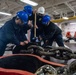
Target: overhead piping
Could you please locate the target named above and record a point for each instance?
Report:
(61, 20)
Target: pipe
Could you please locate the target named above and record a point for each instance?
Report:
(61, 20)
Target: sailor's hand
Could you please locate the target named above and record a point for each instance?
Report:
(30, 24)
(46, 41)
(26, 42)
(40, 38)
(22, 43)
(36, 26)
(35, 11)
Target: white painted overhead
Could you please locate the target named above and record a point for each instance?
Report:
(55, 8)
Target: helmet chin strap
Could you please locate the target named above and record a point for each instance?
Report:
(48, 22)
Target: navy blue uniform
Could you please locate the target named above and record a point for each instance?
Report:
(23, 30)
(26, 28)
(8, 34)
(39, 31)
(53, 32)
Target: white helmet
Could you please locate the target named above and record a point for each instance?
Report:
(41, 10)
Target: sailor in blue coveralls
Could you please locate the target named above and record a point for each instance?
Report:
(51, 32)
(10, 30)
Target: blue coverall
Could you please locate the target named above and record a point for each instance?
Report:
(10, 32)
(21, 34)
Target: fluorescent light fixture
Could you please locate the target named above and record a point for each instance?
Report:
(66, 18)
(56, 12)
(56, 23)
(1, 24)
(3, 13)
(73, 23)
(30, 2)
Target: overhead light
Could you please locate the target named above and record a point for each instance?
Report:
(56, 23)
(30, 2)
(1, 24)
(66, 18)
(3, 13)
(73, 23)
(56, 12)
